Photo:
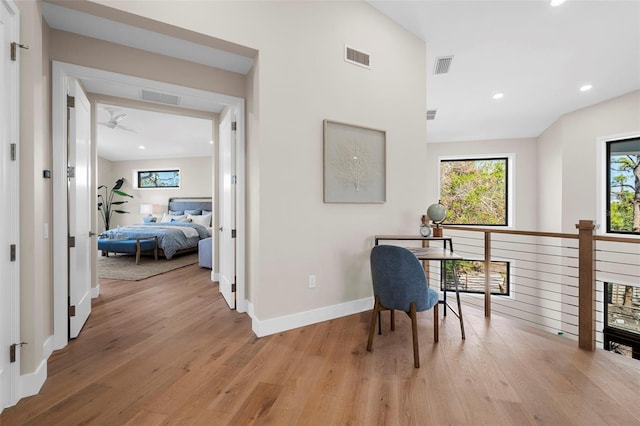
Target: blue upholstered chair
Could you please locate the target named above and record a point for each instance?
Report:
(399, 283)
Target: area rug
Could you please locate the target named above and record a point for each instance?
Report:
(123, 267)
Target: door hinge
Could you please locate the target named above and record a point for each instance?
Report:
(71, 171)
(72, 241)
(234, 125)
(12, 253)
(71, 102)
(72, 311)
(233, 288)
(234, 179)
(14, 149)
(12, 351)
(233, 233)
(14, 50)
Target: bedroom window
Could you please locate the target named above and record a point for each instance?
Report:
(475, 191)
(166, 178)
(623, 186)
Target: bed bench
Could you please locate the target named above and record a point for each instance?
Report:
(132, 245)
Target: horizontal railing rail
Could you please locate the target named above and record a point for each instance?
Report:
(557, 278)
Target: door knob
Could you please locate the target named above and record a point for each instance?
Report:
(91, 233)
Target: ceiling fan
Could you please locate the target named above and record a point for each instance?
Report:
(114, 120)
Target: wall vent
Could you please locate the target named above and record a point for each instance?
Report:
(431, 114)
(443, 64)
(357, 57)
(148, 95)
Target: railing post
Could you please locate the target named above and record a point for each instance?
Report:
(586, 287)
(487, 274)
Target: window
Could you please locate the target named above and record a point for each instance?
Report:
(623, 186)
(471, 277)
(475, 191)
(166, 178)
(621, 313)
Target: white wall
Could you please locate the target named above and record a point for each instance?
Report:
(525, 165)
(195, 175)
(296, 234)
(549, 153)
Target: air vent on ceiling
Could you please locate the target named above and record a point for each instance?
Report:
(357, 57)
(148, 95)
(431, 114)
(443, 64)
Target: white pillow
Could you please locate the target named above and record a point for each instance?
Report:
(167, 217)
(200, 220)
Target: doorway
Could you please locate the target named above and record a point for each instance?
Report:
(62, 72)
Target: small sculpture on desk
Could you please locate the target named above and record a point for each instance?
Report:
(437, 213)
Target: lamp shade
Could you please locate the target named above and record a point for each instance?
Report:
(146, 209)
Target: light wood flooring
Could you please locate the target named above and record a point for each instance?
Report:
(167, 350)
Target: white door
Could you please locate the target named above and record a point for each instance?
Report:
(226, 212)
(80, 208)
(9, 188)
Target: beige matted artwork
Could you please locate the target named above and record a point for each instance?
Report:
(354, 164)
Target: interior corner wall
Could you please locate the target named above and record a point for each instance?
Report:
(578, 135)
(525, 168)
(296, 234)
(35, 250)
(252, 177)
(549, 177)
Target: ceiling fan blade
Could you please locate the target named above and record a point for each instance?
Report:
(109, 124)
(127, 128)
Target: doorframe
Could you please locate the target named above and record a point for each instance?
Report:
(12, 329)
(61, 72)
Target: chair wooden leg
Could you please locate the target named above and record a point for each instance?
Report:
(436, 322)
(374, 317)
(393, 319)
(414, 329)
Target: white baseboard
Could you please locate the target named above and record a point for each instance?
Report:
(289, 322)
(215, 276)
(30, 384)
(95, 291)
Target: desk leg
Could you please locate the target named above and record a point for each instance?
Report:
(443, 281)
(455, 280)
(379, 323)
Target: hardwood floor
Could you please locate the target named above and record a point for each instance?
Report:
(167, 350)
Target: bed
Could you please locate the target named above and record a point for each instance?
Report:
(187, 221)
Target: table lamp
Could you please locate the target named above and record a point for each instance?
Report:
(147, 211)
(437, 212)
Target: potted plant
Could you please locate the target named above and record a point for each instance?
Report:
(106, 202)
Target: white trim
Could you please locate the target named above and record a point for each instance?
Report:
(215, 276)
(62, 71)
(30, 384)
(266, 327)
(95, 291)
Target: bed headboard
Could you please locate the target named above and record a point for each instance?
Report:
(190, 203)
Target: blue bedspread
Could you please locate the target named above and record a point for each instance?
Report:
(170, 238)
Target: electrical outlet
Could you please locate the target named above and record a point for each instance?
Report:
(312, 281)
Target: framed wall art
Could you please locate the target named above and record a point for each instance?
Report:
(354, 164)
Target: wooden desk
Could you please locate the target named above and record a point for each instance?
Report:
(428, 254)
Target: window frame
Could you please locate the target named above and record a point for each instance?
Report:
(137, 172)
(606, 192)
(510, 184)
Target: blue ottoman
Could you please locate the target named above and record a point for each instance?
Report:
(205, 253)
(132, 245)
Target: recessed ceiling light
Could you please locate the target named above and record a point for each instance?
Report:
(586, 87)
(555, 3)
(498, 96)
(211, 142)
(141, 147)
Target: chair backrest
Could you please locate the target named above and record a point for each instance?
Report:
(399, 279)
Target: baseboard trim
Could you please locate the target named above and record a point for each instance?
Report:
(30, 384)
(215, 276)
(263, 328)
(95, 291)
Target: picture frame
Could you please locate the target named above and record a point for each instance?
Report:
(354, 163)
(157, 178)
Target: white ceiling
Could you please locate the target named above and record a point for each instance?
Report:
(538, 56)
(160, 135)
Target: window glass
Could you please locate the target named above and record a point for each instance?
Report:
(475, 191)
(623, 186)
